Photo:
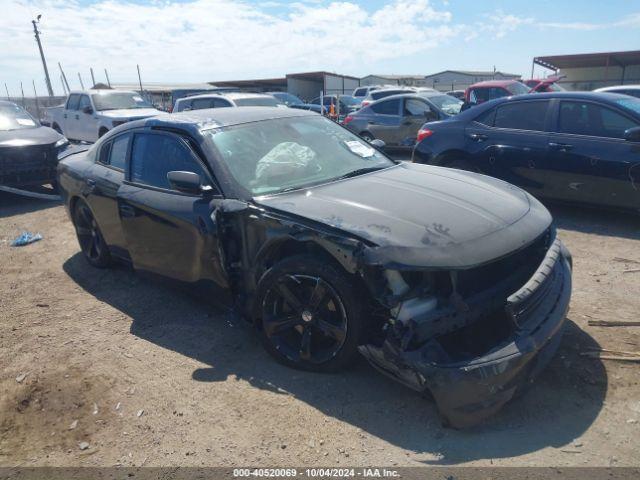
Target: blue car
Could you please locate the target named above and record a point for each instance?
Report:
(578, 147)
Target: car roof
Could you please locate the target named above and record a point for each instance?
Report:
(101, 91)
(495, 83)
(618, 87)
(196, 120)
(228, 95)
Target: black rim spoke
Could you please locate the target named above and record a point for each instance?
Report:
(305, 344)
(331, 330)
(289, 297)
(274, 326)
(318, 296)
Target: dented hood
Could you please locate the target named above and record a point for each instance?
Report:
(421, 216)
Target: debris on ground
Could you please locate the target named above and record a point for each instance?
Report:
(73, 425)
(20, 378)
(95, 408)
(625, 260)
(25, 238)
(633, 270)
(140, 412)
(612, 323)
(83, 445)
(619, 355)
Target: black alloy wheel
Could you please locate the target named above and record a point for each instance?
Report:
(91, 241)
(306, 319)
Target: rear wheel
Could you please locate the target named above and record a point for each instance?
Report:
(90, 238)
(367, 137)
(310, 314)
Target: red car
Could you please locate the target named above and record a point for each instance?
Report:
(482, 91)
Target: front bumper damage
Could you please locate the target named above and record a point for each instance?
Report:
(467, 389)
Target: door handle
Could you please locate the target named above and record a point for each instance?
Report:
(91, 186)
(127, 211)
(77, 117)
(563, 147)
(373, 123)
(478, 137)
(65, 115)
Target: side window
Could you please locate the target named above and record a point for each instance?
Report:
(155, 155)
(360, 92)
(388, 107)
(200, 103)
(118, 151)
(415, 108)
(522, 115)
(84, 102)
(219, 103)
(72, 103)
(486, 118)
(103, 156)
(583, 118)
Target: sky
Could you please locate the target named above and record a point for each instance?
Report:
(208, 40)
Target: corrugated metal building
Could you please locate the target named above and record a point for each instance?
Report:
(460, 79)
(410, 80)
(588, 71)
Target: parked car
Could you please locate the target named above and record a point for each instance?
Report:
(488, 90)
(448, 281)
(542, 85)
(570, 146)
(28, 150)
(89, 114)
(384, 92)
(459, 94)
(632, 90)
(361, 92)
(347, 103)
(232, 99)
(286, 98)
(396, 119)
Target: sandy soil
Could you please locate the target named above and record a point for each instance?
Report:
(149, 375)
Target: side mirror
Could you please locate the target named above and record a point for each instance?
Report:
(187, 182)
(377, 144)
(88, 110)
(632, 134)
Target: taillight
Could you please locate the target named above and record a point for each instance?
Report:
(365, 103)
(347, 119)
(423, 133)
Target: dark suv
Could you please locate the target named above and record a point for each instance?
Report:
(568, 146)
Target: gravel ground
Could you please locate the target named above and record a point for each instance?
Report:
(149, 375)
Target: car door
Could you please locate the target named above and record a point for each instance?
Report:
(168, 232)
(101, 190)
(415, 113)
(70, 118)
(87, 128)
(384, 124)
(592, 160)
(510, 142)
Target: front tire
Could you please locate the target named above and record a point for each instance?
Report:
(309, 314)
(90, 238)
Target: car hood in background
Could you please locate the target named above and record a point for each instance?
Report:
(130, 113)
(28, 137)
(420, 216)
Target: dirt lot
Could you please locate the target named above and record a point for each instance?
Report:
(147, 375)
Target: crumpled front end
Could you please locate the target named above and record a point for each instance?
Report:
(476, 338)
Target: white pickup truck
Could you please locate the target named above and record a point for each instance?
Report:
(89, 114)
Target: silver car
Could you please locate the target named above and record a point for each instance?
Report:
(221, 100)
(396, 119)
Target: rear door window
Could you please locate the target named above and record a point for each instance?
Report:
(360, 92)
(388, 107)
(220, 103)
(153, 156)
(414, 107)
(522, 115)
(118, 151)
(585, 118)
(200, 103)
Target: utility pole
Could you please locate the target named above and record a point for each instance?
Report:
(93, 79)
(44, 62)
(80, 78)
(35, 93)
(64, 77)
(139, 80)
(106, 74)
(6, 89)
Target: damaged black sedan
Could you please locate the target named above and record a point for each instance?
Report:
(448, 281)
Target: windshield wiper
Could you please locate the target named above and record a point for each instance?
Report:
(359, 171)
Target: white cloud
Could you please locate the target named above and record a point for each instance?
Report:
(631, 20)
(205, 40)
